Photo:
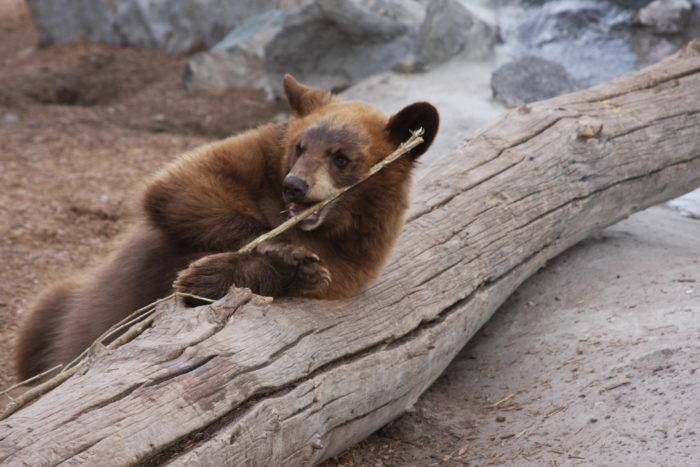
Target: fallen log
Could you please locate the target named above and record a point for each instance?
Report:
(248, 382)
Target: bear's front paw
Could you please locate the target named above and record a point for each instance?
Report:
(208, 277)
(312, 278)
(308, 275)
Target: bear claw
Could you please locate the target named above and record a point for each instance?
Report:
(310, 276)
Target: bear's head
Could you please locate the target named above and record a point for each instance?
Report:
(332, 143)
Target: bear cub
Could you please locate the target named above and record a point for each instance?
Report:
(200, 209)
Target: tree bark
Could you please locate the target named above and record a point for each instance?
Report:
(244, 382)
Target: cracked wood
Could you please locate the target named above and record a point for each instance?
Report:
(245, 382)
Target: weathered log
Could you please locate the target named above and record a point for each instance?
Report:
(243, 382)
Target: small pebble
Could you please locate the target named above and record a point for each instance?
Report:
(500, 419)
(10, 117)
(24, 53)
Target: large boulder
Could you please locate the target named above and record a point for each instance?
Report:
(529, 79)
(329, 43)
(588, 37)
(450, 29)
(239, 60)
(597, 40)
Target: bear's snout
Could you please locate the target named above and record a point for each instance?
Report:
(294, 189)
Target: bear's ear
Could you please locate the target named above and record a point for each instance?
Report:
(410, 118)
(304, 99)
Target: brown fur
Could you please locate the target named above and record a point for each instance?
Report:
(209, 203)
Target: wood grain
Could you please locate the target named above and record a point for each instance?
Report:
(244, 382)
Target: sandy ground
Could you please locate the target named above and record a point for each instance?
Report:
(593, 361)
(82, 126)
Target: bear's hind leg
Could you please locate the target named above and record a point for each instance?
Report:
(38, 331)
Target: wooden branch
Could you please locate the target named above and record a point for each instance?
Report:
(244, 382)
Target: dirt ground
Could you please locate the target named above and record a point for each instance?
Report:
(80, 127)
(563, 375)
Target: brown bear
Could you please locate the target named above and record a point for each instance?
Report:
(204, 206)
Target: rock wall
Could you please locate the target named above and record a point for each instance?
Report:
(546, 47)
(335, 43)
(251, 43)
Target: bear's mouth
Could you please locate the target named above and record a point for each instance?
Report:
(313, 220)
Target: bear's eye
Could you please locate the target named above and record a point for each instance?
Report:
(298, 149)
(340, 160)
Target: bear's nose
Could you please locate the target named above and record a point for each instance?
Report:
(294, 189)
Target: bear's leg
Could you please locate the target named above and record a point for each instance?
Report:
(273, 269)
(139, 271)
(38, 331)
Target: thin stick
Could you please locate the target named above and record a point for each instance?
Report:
(30, 380)
(505, 399)
(109, 333)
(615, 386)
(191, 295)
(131, 317)
(39, 390)
(137, 329)
(403, 149)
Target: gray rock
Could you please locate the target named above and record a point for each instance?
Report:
(651, 48)
(597, 40)
(590, 38)
(239, 60)
(693, 30)
(450, 29)
(179, 26)
(665, 16)
(329, 43)
(59, 21)
(530, 79)
(403, 11)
